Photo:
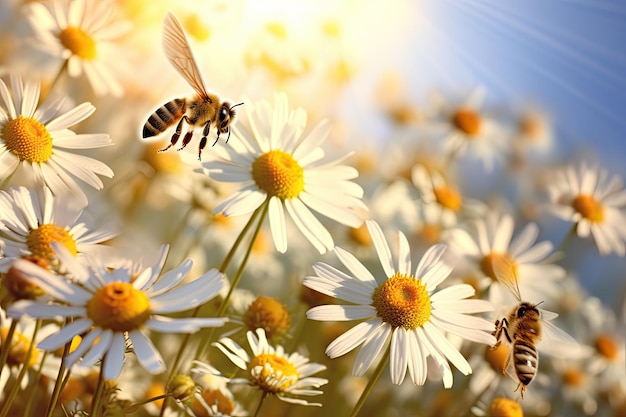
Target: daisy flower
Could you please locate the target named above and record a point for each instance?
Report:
(594, 203)
(81, 33)
(18, 350)
(489, 239)
(464, 128)
(272, 370)
(442, 195)
(31, 221)
(405, 313)
(214, 398)
(114, 308)
(37, 145)
(277, 164)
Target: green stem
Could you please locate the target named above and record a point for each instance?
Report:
(225, 303)
(97, 397)
(567, 239)
(135, 406)
(59, 384)
(370, 384)
(258, 407)
(33, 387)
(4, 352)
(17, 386)
(57, 77)
(222, 269)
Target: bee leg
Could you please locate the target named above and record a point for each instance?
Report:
(176, 135)
(205, 133)
(522, 389)
(228, 134)
(186, 140)
(217, 138)
(201, 147)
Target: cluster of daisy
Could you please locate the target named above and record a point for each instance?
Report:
(236, 285)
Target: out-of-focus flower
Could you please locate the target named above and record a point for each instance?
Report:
(81, 33)
(31, 221)
(442, 195)
(490, 240)
(594, 203)
(112, 308)
(214, 398)
(405, 308)
(275, 162)
(272, 370)
(464, 128)
(37, 146)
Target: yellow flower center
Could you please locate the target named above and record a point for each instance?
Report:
(332, 28)
(195, 28)
(19, 349)
(79, 42)
(505, 407)
(607, 347)
(28, 139)
(589, 208)
(39, 240)
(277, 29)
(402, 301)
(360, 235)
(275, 369)
(448, 197)
(268, 314)
(497, 357)
(119, 307)
(467, 121)
(430, 233)
(213, 397)
(573, 377)
(278, 174)
(487, 263)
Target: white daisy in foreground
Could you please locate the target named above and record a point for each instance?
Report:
(405, 313)
(81, 33)
(36, 144)
(490, 239)
(272, 370)
(31, 221)
(214, 399)
(594, 203)
(113, 308)
(275, 162)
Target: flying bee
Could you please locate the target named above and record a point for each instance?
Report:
(523, 328)
(203, 110)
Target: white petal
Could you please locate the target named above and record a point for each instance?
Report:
(114, 360)
(382, 248)
(309, 225)
(371, 349)
(147, 355)
(278, 226)
(400, 353)
(340, 313)
(358, 270)
(65, 334)
(352, 338)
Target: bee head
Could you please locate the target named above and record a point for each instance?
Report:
(526, 307)
(226, 116)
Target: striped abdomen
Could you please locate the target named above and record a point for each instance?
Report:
(526, 360)
(164, 117)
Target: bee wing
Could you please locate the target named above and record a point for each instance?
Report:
(179, 53)
(558, 343)
(505, 273)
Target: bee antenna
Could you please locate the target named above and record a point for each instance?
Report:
(540, 302)
(238, 104)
